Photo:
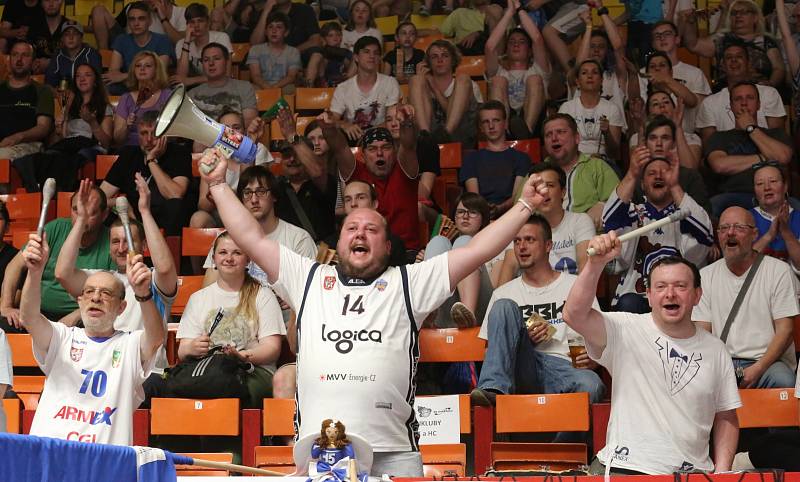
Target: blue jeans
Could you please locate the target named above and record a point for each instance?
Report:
(633, 303)
(513, 365)
(723, 201)
(778, 375)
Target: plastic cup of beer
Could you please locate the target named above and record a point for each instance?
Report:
(577, 347)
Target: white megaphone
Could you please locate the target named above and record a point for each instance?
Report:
(181, 118)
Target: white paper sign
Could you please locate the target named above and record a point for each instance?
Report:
(439, 419)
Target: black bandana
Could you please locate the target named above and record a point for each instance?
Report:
(376, 134)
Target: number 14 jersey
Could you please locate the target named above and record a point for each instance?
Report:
(358, 345)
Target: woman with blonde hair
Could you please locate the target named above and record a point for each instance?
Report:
(148, 90)
(237, 314)
(742, 23)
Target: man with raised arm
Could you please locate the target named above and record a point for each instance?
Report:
(674, 383)
(94, 374)
(357, 322)
(165, 279)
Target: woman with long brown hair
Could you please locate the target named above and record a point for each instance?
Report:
(148, 86)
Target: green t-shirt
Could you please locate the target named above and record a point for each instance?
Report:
(54, 298)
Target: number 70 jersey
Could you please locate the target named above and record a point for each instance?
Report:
(358, 345)
(92, 387)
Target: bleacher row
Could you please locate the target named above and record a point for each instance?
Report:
(479, 426)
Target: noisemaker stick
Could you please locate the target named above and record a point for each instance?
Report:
(48, 191)
(678, 215)
(122, 212)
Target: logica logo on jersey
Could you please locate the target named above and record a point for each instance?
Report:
(344, 340)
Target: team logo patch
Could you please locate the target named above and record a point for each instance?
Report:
(116, 358)
(329, 282)
(381, 284)
(76, 354)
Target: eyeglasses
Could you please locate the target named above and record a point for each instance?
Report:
(739, 228)
(260, 193)
(664, 35)
(470, 213)
(105, 293)
(765, 163)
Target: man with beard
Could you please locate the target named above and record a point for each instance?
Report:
(540, 362)
(357, 322)
(392, 167)
(94, 374)
(655, 166)
(759, 338)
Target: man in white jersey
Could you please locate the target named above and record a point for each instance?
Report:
(674, 384)
(759, 338)
(255, 191)
(94, 374)
(165, 278)
(358, 322)
(539, 362)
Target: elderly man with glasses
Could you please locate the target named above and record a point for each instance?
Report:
(757, 331)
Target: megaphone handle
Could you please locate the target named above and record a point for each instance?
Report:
(207, 168)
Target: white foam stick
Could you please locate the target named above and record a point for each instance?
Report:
(122, 212)
(48, 191)
(678, 215)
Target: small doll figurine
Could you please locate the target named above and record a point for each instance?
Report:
(333, 453)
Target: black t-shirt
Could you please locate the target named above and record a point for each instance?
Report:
(304, 24)
(320, 208)
(7, 253)
(738, 143)
(409, 65)
(176, 162)
(47, 43)
(23, 105)
(18, 14)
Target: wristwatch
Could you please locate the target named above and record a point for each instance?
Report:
(602, 11)
(749, 129)
(147, 162)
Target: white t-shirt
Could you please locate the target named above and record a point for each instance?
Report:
(358, 346)
(715, 111)
(574, 228)
(177, 19)
(666, 394)
(195, 52)
(6, 363)
(92, 386)
(589, 122)
(516, 83)
(548, 301)
(772, 295)
(285, 234)
(612, 92)
(202, 309)
(350, 37)
(365, 109)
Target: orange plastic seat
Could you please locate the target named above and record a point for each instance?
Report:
(472, 65)
(5, 173)
(28, 383)
(13, 409)
(196, 470)
(186, 286)
(21, 350)
(531, 147)
(266, 98)
(313, 98)
(451, 345)
(183, 416)
(568, 412)
(768, 407)
(23, 209)
(198, 241)
(104, 163)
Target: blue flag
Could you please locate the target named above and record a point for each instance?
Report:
(48, 459)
